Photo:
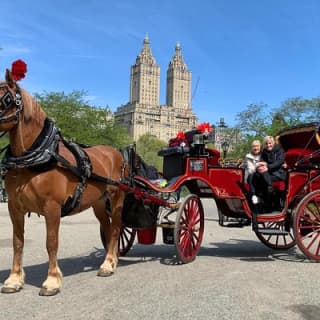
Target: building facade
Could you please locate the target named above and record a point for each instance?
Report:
(144, 113)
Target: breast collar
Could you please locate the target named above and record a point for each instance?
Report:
(39, 153)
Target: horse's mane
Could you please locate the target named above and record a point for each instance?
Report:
(32, 108)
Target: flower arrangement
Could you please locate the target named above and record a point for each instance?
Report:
(204, 128)
(18, 70)
(179, 140)
(184, 139)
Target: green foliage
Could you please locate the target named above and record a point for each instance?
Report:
(255, 123)
(148, 147)
(81, 122)
(298, 110)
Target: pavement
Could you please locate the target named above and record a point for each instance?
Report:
(233, 277)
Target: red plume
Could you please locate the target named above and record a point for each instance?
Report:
(181, 135)
(18, 70)
(204, 127)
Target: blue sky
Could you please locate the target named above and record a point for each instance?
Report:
(239, 51)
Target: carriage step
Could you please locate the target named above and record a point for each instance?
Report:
(275, 232)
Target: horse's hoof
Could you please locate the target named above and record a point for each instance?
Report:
(48, 293)
(10, 290)
(102, 273)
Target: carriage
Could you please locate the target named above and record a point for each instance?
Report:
(53, 177)
(290, 217)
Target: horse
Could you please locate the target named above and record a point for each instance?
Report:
(50, 177)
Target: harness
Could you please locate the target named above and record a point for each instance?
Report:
(44, 154)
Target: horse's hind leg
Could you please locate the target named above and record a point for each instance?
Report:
(15, 281)
(52, 284)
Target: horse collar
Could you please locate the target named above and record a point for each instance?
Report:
(40, 152)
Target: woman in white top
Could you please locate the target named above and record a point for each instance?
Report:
(251, 161)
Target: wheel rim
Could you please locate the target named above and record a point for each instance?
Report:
(307, 225)
(127, 236)
(276, 242)
(126, 239)
(189, 228)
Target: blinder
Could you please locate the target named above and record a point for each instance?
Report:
(8, 101)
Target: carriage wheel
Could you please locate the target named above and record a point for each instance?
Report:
(189, 226)
(127, 236)
(306, 225)
(276, 241)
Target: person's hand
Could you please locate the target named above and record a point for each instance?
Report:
(262, 167)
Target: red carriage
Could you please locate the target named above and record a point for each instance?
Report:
(292, 218)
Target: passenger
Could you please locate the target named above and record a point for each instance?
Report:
(251, 161)
(272, 165)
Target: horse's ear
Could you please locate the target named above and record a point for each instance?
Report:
(9, 78)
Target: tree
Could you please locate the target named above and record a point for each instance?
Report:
(254, 121)
(253, 124)
(81, 122)
(148, 147)
(298, 110)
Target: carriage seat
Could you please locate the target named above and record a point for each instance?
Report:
(174, 163)
(295, 154)
(279, 185)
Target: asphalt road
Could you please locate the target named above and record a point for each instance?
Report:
(233, 277)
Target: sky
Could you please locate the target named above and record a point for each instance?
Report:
(240, 52)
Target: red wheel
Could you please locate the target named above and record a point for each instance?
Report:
(189, 226)
(307, 225)
(276, 241)
(127, 236)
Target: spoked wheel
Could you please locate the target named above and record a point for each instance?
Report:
(189, 226)
(127, 236)
(276, 241)
(306, 225)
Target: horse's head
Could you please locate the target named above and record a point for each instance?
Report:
(10, 103)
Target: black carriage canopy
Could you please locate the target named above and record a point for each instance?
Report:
(300, 142)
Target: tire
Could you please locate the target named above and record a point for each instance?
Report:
(306, 225)
(189, 227)
(126, 240)
(276, 242)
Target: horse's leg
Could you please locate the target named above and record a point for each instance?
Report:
(113, 232)
(52, 284)
(15, 281)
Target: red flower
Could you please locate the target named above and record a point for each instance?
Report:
(181, 135)
(18, 70)
(204, 127)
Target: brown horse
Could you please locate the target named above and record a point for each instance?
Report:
(35, 185)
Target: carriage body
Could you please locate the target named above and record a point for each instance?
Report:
(201, 171)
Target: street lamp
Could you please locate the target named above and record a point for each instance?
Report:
(225, 147)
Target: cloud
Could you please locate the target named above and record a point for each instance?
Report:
(14, 50)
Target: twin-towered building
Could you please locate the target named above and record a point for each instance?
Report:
(144, 113)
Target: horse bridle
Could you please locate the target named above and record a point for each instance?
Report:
(7, 102)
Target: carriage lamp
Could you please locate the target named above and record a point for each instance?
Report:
(225, 147)
(198, 139)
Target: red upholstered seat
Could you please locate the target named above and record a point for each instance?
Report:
(279, 185)
(292, 155)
